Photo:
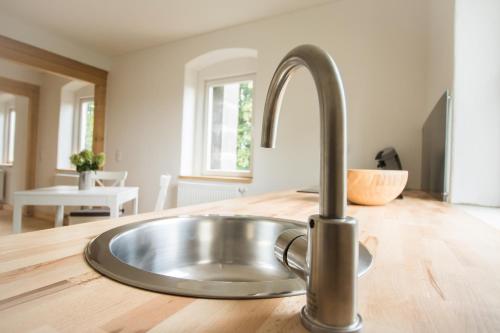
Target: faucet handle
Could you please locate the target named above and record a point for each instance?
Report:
(291, 249)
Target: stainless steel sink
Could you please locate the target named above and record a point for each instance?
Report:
(201, 256)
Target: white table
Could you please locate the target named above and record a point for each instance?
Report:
(60, 196)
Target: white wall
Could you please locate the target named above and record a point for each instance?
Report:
(440, 57)
(48, 124)
(476, 146)
(22, 31)
(16, 173)
(379, 46)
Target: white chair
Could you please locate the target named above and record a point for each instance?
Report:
(102, 178)
(110, 178)
(162, 194)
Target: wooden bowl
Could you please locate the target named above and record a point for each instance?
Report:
(375, 187)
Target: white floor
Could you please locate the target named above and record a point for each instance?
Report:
(488, 215)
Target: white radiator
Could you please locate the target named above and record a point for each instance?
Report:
(191, 193)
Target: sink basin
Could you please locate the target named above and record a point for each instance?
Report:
(203, 256)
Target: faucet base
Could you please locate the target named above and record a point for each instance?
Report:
(316, 327)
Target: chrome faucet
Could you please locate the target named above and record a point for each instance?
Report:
(328, 259)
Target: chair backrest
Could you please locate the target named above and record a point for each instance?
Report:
(110, 178)
(162, 194)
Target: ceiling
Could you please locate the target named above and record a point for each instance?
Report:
(114, 27)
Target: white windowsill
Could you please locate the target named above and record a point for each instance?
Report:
(246, 180)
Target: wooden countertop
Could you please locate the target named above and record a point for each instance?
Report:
(436, 270)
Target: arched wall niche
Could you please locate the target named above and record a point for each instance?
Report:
(218, 63)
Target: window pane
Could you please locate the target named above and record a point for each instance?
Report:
(87, 124)
(12, 136)
(3, 137)
(245, 126)
(230, 126)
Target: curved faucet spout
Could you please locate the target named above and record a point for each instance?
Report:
(331, 261)
(332, 116)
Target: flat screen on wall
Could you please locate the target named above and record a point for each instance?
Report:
(436, 134)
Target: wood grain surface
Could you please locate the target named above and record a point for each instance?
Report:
(436, 270)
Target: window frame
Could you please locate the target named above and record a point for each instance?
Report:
(207, 138)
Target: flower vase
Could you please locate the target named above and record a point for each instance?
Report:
(86, 180)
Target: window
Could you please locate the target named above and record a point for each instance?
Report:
(228, 127)
(7, 135)
(86, 124)
(217, 115)
(76, 121)
(11, 136)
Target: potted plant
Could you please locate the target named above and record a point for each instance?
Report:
(86, 163)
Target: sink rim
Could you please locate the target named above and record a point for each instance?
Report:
(106, 263)
(99, 256)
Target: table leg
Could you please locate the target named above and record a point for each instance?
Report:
(17, 218)
(136, 206)
(114, 211)
(59, 216)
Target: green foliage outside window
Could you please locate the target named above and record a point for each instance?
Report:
(89, 130)
(244, 139)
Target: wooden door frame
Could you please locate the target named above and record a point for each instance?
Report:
(22, 53)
